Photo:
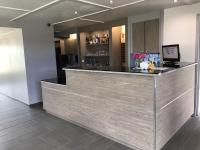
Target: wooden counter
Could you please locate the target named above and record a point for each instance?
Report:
(141, 112)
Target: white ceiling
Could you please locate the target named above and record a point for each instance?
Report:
(66, 10)
(144, 7)
(24, 4)
(63, 10)
(9, 14)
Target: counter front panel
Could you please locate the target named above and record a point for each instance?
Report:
(141, 111)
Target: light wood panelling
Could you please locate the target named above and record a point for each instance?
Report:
(46, 86)
(111, 104)
(142, 112)
(172, 85)
(173, 117)
(54, 86)
(174, 103)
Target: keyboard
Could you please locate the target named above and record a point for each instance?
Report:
(173, 65)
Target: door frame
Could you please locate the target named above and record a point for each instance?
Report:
(197, 69)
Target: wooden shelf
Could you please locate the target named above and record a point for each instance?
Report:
(97, 56)
(98, 44)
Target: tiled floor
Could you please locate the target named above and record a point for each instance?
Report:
(25, 128)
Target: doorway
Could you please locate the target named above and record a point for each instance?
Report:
(118, 51)
(67, 55)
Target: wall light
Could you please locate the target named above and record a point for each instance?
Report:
(123, 29)
(73, 36)
(123, 34)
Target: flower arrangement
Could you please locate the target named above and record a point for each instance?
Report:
(139, 58)
(139, 55)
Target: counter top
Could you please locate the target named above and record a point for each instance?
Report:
(158, 71)
(121, 70)
(61, 81)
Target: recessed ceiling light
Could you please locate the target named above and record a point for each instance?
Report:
(76, 12)
(111, 1)
(175, 1)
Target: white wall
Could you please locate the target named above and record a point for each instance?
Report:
(13, 80)
(39, 55)
(39, 50)
(180, 27)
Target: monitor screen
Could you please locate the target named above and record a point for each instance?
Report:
(171, 53)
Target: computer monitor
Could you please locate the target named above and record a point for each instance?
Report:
(171, 53)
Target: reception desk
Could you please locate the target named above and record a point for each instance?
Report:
(137, 108)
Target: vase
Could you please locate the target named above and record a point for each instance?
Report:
(137, 64)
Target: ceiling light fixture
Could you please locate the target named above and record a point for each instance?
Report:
(97, 21)
(175, 1)
(76, 12)
(94, 4)
(111, 1)
(98, 12)
(35, 10)
(12, 8)
(132, 3)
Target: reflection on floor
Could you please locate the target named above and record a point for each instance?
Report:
(25, 128)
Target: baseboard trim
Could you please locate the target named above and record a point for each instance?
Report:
(36, 104)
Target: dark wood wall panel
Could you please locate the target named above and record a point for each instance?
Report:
(152, 36)
(146, 36)
(138, 37)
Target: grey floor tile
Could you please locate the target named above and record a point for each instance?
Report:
(30, 128)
